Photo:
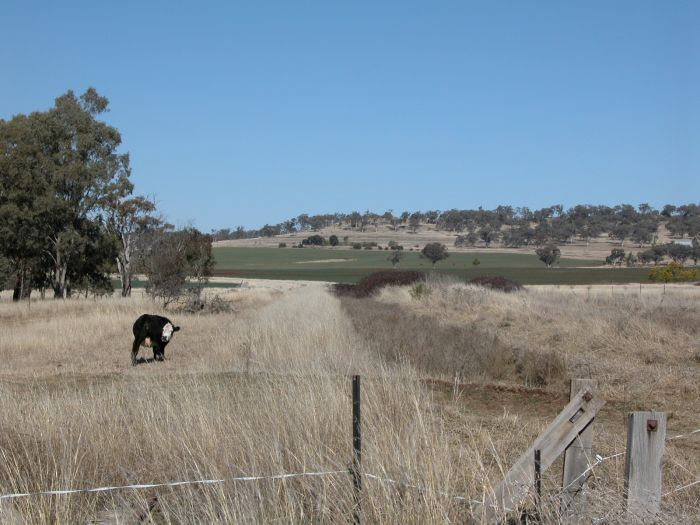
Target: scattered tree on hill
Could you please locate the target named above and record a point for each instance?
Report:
(616, 257)
(435, 252)
(679, 253)
(414, 222)
(695, 253)
(549, 254)
(489, 235)
(395, 257)
(333, 240)
(655, 254)
(314, 240)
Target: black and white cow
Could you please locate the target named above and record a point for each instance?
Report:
(152, 331)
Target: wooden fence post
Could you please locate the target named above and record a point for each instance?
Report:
(646, 438)
(552, 442)
(356, 450)
(577, 459)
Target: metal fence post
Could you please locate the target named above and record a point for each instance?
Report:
(356, 450)
(538, 483)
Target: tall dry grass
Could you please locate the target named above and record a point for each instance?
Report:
(264, 390)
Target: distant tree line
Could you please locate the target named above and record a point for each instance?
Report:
(678, 253)
(68, 216)
(510, 226)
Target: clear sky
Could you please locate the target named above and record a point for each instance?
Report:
(245, 113)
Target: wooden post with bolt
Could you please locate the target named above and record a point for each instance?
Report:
(577, 459)
(646, 439)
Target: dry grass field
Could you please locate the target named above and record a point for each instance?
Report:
(457, 381)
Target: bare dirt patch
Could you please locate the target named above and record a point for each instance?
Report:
(323, 261)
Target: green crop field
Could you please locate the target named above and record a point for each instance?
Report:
(343, 265)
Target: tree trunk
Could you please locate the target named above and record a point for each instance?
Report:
(124, 268)
(23, 287)
(59, 283)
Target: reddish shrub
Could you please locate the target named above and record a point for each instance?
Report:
(376, 280)
(497, 283)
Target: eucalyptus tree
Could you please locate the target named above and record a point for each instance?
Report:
(59, 169)
(127, 219)
(85, 173)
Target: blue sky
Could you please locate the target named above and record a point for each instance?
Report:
(245, 113)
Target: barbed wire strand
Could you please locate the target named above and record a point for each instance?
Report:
(679, 436)
(167, 484)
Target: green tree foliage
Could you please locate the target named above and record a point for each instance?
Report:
(678, 252)
(333, 240)
(5, 273)
(435, 252)
(617, 256)
(314, 240)
(673, 272)
(414, 221)
(127, 219)
(695, 253)
(489, 235)
(395, 257)
(59, 169)
(549, 254)
(654, 254)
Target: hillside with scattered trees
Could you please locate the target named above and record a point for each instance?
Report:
(505, 226)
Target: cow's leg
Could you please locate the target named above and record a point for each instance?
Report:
(157, 352)
(134, 351)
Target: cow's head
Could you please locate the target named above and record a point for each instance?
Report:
(168, 331)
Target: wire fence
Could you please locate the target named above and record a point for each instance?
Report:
(355, 471)
(140, 486)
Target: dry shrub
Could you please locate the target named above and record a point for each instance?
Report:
(540, 368)
(204, 304)
(497, 283)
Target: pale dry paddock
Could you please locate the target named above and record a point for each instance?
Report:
(266, 390)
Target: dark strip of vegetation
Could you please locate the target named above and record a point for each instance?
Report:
(377, 280)
(555, 276)
(497, 283)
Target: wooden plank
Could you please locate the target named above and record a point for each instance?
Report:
(646, 439)
(519, 480)
(577, 460)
